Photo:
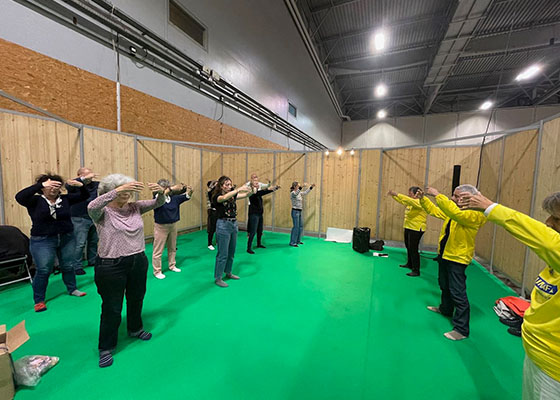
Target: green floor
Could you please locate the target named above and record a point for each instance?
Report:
(315, 322)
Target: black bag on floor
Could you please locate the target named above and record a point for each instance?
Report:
(360, 240)
(377, 245)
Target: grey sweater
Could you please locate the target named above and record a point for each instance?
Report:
(297, 198)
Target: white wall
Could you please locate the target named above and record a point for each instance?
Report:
(405, 131)
(253, 44)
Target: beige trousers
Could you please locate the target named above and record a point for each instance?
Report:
(164, 234)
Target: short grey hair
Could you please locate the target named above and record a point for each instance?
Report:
(551, 204)
(164, 183)
(111, 182)
(468, 188)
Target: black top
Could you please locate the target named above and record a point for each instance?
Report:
(169, 213)
(227, 209)
(13, 244)
(43, 224)
(80, 209)
(256, 201)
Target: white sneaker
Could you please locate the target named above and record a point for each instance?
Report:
(160, 276)
(175, 269)
(211, 247)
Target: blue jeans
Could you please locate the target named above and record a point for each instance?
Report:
(297, 230)
(44, 250)
(226, 238)
(85, 233)
(454, 301)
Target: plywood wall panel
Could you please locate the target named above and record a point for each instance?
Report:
(155, 161)
(235, 167)
(108, 153)
(339, 194)
(312, 200)
(547, 183)
(516, 192)
(30, 147)
(188, 171)
(262, 164)
(440, 176)
(401, 169)
(488, 186)
(290, 167)
(369, 185)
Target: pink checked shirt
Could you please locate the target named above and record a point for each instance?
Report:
(120, 230)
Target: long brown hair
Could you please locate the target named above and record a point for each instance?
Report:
(218, 188)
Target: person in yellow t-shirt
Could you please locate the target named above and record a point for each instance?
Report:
(541, 323)
(455, 252)
(414, 227)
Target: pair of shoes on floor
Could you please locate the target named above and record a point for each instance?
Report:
(159, 275)
(405, 266)
(231, 276)
(250, 251)
(175, 269)
(220, 283)
(80, 271)
(211, 247)
(40, 306)
(454, 335)
(260, 246)
(77, 293)
(413, 273)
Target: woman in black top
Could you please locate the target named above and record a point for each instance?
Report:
(224, 197)
(52, 231)
(255, 225)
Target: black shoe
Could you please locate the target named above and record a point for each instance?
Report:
(300, 242)
(294, 245)
(250, 251)
(260, 246)
(514, 331)
(80, 271)
(413, 273)
(405, 266)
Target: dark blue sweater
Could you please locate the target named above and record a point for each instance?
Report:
(42, 222)
(80, 209)
(169, 212)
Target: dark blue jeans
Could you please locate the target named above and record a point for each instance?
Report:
(453, 284)
(255, 226)
(115, 278)
(44, 250)
(226, 238)
(85, 234)
(297, 230)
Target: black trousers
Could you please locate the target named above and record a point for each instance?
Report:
(453, 284)
(255, 225)
(211, 225)
(116, 278)
(411, 241)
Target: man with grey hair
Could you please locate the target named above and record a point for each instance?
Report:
(455, 252)
(84, 230)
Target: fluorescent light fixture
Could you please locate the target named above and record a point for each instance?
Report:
(379, 40)
(327, 153)
(339, 151)
(380, 90)
(486, 105)
(528, 73)
(381, 114)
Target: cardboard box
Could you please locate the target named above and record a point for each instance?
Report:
(9, 342)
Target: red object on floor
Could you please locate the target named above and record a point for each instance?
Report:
(516, 304)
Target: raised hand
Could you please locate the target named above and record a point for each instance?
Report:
(430, 191)
(155, 188)
(74, 183)
(312, 185)
(474, 201)
(86, 179)
(391, 193)
(133, 186)
(52, 184)
(419, 194)
(189, 190)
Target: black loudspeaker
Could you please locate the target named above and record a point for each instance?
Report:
(456, 177)
(360, 240)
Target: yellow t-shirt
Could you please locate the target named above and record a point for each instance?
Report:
(541, 324)
(414, 215)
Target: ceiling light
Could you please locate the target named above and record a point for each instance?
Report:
(379, 40)
(486, 105)
(381, 114)
(327, 153)
(380, 90)
(352, 152)
(528, 73)
(339, 151)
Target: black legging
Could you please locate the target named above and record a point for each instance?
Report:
(411, 241)
(211, 225)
